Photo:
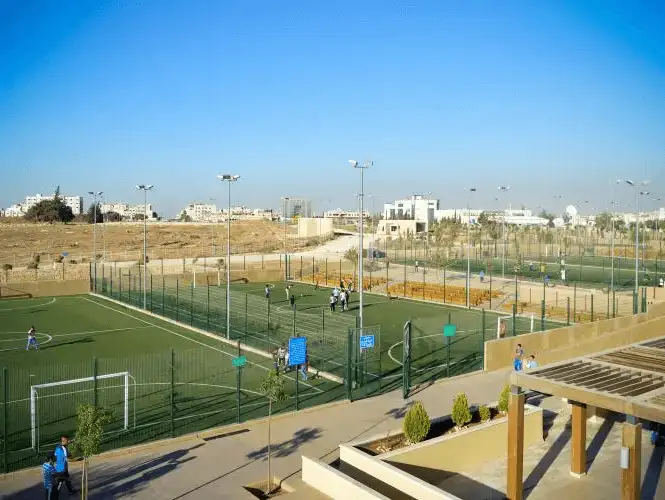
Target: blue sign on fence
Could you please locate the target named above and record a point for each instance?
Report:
(366, 341)
(297, 350)
(449, 330)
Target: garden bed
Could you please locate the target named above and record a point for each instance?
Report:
(439, 427)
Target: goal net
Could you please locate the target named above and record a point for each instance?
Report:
(53, 404)
(521, 324)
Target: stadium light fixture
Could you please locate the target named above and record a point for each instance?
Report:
(145, 188)
(230, 178)
(361, 224)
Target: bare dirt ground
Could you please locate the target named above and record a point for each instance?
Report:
(19, 242)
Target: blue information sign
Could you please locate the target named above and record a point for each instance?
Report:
(449, 330)
(297, 350)
(366, 341)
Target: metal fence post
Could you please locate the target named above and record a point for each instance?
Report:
(444, 286)
(634, 301)
(568, 311)
(482, 339)
(94, 381)
(245, 318)
(592, 308)
(163, 295)
(574, 302)
(172, 398)
(129, 279)
(514, 320)
(191, 304)
(5, 415)
(349, 368)
(151, 293)
(177, 299)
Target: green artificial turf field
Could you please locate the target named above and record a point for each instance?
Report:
(159, 379)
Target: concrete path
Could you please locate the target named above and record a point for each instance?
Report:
(220, 467)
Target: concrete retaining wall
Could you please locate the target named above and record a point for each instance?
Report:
(334, 484)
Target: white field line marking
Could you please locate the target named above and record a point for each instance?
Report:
(2, 309)
(25, 339)
(53, 334)
(192, 340)
(390, 353)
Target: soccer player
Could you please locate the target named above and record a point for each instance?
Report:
(61, 466)
(342, 301)
(267, 291)
(292, 301)
(281, 355)
(49, 476)
(32, 340)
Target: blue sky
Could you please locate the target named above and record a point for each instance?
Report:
(551, 98)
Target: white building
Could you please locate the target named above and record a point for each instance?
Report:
(16, 210)
(419, 208)
(201, 212)
(73, 202)
(345, 216)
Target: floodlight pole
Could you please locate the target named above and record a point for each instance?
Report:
(637, 228)
(503, 257)
(361, 218)
(212, 231)
(285, 199)
(94, 194)
(468, 246)
(228, 178)
(612, 240)
(145, 188)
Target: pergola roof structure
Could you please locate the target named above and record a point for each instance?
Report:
(628, 380)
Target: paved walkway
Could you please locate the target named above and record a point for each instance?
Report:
(220, 467)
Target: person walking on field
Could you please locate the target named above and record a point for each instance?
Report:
(342, 301)
(32, 340)
(267, 291)
(417, 266)
(333, 301)
(49, 476)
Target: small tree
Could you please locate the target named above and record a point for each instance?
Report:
(416, 423)
(352, 255)
(94, 214)
(484, 413)
(461, 414)
(88, 438)
(272, 387)
(504, 398)
(7, 267)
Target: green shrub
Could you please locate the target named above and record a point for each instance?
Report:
(33, 265)
(7, 267)
(59, 258)
(416, 423)
(502, 405)
(461, 414)
(484, 413)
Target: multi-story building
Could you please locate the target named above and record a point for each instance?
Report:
(201, 212)
(296, 207)
(73, 202)
(127, 211)
(16, 210)
(419, 207)
(345, 216)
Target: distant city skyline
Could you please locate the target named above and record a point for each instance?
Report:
(551, 98)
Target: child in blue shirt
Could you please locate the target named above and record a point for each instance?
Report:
(49, 476)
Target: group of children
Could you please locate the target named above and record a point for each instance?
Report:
(518, 361)
(341, 296)
(55, 471)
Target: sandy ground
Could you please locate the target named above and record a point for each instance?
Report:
(124, 240)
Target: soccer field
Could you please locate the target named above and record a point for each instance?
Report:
(159, 379)
(266, 324)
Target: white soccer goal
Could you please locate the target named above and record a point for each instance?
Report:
(34, 399)
(504, 323)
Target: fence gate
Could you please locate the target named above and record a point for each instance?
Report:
(364, 362)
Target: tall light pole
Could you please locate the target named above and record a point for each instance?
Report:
(361, 218)
(613, 203)
(228, 178)
(145, 188)
(95, 195)
(503, 189)
(212, 230)
(468, 246)
(285, 199)
(637, 185)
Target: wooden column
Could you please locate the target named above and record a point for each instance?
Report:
(515, 488)
(578, 439)
(631, 478)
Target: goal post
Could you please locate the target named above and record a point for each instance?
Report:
(34, 399)
(504, 324)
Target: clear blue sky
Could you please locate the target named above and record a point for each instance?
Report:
(552, 98)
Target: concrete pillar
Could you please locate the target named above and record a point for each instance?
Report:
(631, 478)
(578, 439)
(515, 487)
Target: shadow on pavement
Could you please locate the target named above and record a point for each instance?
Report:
(288, 447)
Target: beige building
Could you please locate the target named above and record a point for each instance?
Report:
(311, 227)
(397, 228)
